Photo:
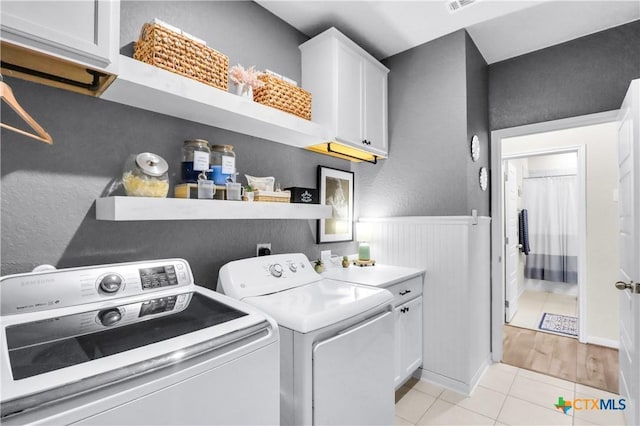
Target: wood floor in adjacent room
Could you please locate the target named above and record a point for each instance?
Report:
(562, 357)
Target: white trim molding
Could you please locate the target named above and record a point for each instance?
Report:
(601, 341)
(497, 206)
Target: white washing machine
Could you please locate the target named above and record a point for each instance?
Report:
(337, 365)
(133, 343)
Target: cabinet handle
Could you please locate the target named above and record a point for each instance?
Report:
(402, 293)
(366, 142)
(404, 310)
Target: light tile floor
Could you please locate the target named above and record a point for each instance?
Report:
(506, 395)
(533, 304)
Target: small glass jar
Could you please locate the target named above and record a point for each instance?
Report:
(145, 175)
(223, 164)
(195, 159)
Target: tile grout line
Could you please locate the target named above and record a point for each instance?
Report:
(538, 405)
(463, 408)
(404, 419)
(507, 395)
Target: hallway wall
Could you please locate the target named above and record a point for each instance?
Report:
(583, 76)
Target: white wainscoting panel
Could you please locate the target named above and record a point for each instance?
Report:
(454, 250)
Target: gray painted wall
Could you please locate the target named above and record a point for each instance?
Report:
(247, 33)
(48, 192)
(477, 124)
(437, 99)
(426, 131)
(583, 76)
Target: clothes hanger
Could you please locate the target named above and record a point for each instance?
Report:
(7, 95)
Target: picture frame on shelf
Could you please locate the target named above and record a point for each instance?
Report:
(336, 188)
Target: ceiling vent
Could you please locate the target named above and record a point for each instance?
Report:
(455, 5)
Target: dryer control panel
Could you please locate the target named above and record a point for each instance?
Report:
(256, 276)
(39, 291)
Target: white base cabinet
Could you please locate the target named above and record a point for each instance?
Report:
(407, 304)
(349, 91)
(408, 340)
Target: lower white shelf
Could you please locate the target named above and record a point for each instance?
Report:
(143, 208)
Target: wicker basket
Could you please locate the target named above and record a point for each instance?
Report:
(284, 96)
(174, 52)
(272, 196)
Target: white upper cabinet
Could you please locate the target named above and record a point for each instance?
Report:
(349, 91)
(82, 31)
(375, 103)
(349, 103)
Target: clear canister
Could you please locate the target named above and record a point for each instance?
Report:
(195, 159)
(146, 175)
(223, 164)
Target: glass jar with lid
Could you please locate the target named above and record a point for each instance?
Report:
(223, 164)
(145, 175)
(195, 159)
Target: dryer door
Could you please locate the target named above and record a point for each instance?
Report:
(353, 375)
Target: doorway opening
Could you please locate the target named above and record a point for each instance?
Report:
(543, 205)
(567, 274)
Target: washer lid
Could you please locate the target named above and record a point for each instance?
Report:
(319, 304)
(152, 334)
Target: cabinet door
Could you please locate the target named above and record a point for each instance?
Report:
(398, 370)
(375, 107)
(349, 108)
(79, 30)
(411, 336)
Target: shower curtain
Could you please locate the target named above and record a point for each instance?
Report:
(553, 230)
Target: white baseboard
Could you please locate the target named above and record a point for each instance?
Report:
(452, 384)
(480, 372)
(445, 382)
(601, 341)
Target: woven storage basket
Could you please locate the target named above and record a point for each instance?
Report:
(272, 197)
(174, 52)
(284, 96)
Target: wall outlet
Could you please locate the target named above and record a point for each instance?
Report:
(325, 255)
(263, 249)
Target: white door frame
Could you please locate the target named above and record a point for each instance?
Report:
(497, 212)
(582, 221)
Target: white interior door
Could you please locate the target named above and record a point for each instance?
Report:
(629, 242)
(511, 242)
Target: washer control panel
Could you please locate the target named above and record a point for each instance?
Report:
(159, 276)
(39, 291)
(110, 283)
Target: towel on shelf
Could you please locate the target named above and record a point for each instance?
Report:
(523, 231)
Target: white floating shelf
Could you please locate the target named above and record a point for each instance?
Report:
(147, 87)
(142, 208)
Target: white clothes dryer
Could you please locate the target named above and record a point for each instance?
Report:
(336, 340)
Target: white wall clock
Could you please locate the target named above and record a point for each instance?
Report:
(484, 178)
(475, 148)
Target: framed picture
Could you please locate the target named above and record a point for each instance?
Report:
(336, 190)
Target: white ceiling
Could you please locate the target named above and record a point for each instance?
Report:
(501, 29)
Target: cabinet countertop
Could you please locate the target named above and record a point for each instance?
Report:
(378, 275)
